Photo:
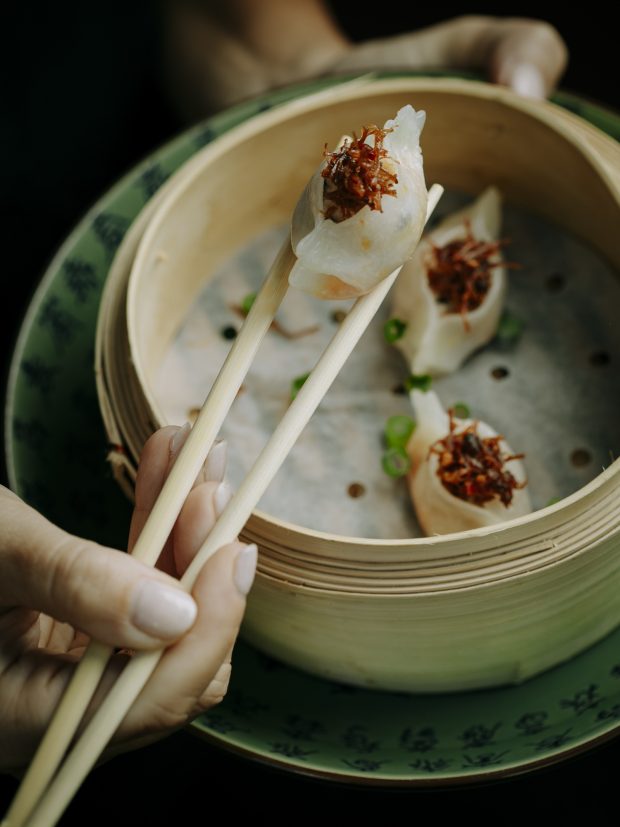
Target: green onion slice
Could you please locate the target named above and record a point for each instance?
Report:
(510, 328)
(394, 329)
(396, 462)
(422, 382)
(461, 410)
(248, 301)
(297, 385)
(398, 429)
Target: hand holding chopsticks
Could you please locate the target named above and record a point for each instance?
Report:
(130, 683)
(101, 588)
(156, 530)
(370, 242)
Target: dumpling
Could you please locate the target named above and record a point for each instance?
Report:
(463, 474)
(451, 293)
(362, 212)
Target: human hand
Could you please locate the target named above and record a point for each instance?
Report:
(221, 53)
(57, 590)
(527, 55)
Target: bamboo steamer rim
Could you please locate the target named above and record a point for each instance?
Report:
(539, 557)
(491, 583)
(567, 126)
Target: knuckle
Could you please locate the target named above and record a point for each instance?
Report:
(217, 689)
(65, 576)
(549, 37)
(547, 30)
(81, 579)
(167, 714)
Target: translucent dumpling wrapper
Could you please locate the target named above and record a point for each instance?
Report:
(438, 510)
(436, 340)
(347, 258)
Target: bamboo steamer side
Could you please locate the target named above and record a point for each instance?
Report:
(483, 636)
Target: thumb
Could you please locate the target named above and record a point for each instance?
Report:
(529, 57)
(100, 591)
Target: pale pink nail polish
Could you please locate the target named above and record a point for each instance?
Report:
(161, 611)
(222, 496)
(245, 568)
(215, 466)
(178, 440)
(527, 81)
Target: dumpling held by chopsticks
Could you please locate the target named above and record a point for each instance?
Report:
(362, 212)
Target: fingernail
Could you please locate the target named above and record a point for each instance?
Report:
(245, 568)
(528, 81)
(221, 498)
(215, 466)
(178, 440)
(162, 611)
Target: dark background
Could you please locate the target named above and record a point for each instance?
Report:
(83, 101)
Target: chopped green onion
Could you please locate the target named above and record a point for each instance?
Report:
(553, 501)
(461, 410)
(510, 328)
(248, 301)
(297, 385)
(398, 429)
(394, 329)
(422, 382)
(396, 462)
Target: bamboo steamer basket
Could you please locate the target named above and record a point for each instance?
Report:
(468, 610)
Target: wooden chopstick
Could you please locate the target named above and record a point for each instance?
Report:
(131, 681)
(78, 694)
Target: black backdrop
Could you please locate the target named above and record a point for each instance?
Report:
(82, 102)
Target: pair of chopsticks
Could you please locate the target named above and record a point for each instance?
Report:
(36, 806)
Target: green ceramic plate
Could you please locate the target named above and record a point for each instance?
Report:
(56, 455)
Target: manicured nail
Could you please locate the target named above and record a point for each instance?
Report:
(245, 568)
(222, 497)
(162, 611)
(178, 440)
(215, 466)
(528, 81)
